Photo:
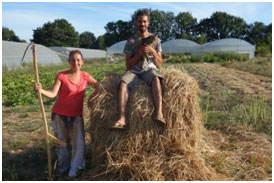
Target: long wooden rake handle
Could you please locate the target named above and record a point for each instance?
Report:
(47, 135)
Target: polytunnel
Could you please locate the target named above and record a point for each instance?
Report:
(180, 46)
(117, 48)
(230, 45)
(88, 54)
(12, 53)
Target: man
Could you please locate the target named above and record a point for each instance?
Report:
(136, 71)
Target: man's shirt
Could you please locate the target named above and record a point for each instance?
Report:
(132, 46)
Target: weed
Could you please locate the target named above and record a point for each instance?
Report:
(18, 144)
(234, 109)
(23, 115)
(252, 162)
(260, 65)
(33, 109)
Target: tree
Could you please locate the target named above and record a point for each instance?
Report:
(261, 36)
(257, 32)
(87, 40)
(58, 33)
(100, 43)
(221, 25)
(201, 39)
(185, 25)
(9, 35)
(118, 31)
(162, 23)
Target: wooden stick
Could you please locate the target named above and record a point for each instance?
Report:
(57, 140)
(42, 110)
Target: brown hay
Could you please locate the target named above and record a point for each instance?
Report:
(239, 154)
(147, 151)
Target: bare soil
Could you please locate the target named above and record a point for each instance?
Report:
(214, 76)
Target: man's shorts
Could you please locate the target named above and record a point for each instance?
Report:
(132, 79)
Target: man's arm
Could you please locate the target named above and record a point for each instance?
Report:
(131, 59)
(157, 56)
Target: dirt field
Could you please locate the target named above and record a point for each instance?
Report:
(218, 77)
(23, 148)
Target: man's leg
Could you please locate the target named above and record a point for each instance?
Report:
(153, 77)
(157, 96)
(123, 98)
(128, 80)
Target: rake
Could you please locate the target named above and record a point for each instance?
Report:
(47, 134)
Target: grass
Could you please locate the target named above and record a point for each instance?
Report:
(237, 110)
(259, 65)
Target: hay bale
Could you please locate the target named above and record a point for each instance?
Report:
(148, 151)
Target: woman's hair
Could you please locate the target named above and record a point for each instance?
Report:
(74, 52)
(142, 12)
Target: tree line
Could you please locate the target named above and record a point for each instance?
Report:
(165, 24)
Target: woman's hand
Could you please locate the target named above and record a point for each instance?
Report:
(37, 86)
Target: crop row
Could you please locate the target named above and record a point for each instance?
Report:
(17, 86)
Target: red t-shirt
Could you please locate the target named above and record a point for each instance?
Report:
(70, 96)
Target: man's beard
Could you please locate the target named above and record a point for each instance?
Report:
(142, 29)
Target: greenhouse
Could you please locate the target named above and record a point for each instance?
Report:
(117, 48)
(180, 46)
(229, 45)
(12, 53)
(88, 54)
(188, 46)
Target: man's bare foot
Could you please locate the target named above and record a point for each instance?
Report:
(160, 119)
(120, 124)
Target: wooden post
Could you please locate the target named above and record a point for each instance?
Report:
(35, 66)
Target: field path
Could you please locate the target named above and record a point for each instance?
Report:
(216, 76)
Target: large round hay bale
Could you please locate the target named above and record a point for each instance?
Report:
(148, 151)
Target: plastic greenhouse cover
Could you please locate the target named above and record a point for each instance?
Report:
(117, 48)
(88, 54)
(228, 44)
(12, 53)
(187, 46)
(180, 46)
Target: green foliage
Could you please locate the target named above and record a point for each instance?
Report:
(263, 50)
(259, 65)
(58, 33)
(196, 58)
(224, 57)
(186, 24)
(224, 109)
(118, 31)
(87, 40)
(185, 60)
(162, 24)
(201, 39)
(9, 35)
(173, 60)
(17, 86)
(206, 57)
(222, 25)
(100, 43)
(261, 36)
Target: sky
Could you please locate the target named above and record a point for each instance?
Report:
(24, 17)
